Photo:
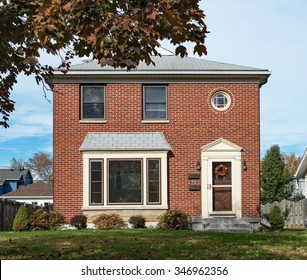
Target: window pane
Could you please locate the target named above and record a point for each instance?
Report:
(96, 187)
(155, 102)
(221, 100)
(93, 110)
(93, 102)
(154, 197)
(96, 182)
(221, 173)
(93, 94)
(96, 198)
(96, 165)
(154, 187)
(96, 175)
(155, 111)
(125, 181)
(153, 181)
(155, 94)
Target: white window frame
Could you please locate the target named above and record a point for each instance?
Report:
(226, 95)
(122, 155)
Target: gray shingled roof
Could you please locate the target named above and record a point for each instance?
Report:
(167, 63)
(138, 141)
(11, 174)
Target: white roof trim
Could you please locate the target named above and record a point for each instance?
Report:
(157, 72)
(221, 144)
(302, 166)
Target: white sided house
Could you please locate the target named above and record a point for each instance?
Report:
(37, 194)
(300, 176)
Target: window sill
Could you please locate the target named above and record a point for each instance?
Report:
(155, 121)
(126, 207)
(93, 121)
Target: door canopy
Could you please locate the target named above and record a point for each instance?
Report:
(221, 145)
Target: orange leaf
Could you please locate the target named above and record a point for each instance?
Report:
(67, 6)
(91, 39)
(152, 15)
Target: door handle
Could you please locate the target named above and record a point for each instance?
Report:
(209, 186)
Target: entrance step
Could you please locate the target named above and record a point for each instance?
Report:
(222, 224)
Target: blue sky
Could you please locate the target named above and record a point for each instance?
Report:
(268, 34)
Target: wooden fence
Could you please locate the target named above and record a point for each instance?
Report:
(296, 212)
(8, 210)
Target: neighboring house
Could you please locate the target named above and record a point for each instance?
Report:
(183, 134)
(300, 176)
(11, 179)
(39, 193)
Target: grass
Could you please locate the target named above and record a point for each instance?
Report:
(152, 244)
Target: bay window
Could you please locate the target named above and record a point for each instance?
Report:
(116, 181)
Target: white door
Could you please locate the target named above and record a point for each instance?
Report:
(220, 186)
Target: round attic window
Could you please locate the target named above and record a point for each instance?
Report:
(220, 101)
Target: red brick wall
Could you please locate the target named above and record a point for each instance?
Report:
(193, 124)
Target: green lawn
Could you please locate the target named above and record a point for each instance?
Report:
(152, 244)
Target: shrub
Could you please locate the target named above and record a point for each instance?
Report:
(174, 219)
(79, 221)
(21, 220)
(137, 221)
(55, 220)
(39, 219)
(276, 218)
(109, 221)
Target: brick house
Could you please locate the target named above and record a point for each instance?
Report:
(183, 134)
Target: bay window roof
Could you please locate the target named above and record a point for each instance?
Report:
(122, 141)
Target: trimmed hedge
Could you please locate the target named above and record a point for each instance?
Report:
(79, 222)
(137, 221)
(174, 219)
(109, 221)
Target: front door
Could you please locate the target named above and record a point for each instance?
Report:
(221, 179)
(220, 184)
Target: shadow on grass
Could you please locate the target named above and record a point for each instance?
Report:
(152, 244)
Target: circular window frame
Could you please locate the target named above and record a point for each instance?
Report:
(228, 97)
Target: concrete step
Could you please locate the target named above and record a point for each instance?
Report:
(230, 230)
(227, 225)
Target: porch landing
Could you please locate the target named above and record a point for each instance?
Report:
(226, 224)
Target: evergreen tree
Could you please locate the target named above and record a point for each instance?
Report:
(275, 177)
(21, 220)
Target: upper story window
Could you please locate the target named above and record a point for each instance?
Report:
(220, 101)
(154, 102)
(92, 102)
